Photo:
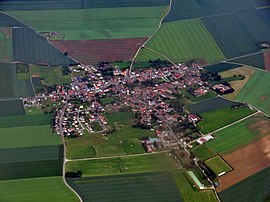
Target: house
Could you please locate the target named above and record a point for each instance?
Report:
(193, 118)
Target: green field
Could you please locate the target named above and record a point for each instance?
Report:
(202, 152)
(5, 45)
(123, 141)
(36, 189)
(253, 188)
(256, 91)
(216, 119)
(184, 40)
(121, 118)
(218, 165)
(11, 108)
(192, 98)
(239, 134)
(147, 54)
(27, 136)
(103, 23)
(123, 165)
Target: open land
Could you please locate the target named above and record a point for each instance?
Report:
(218, 165)
(266, 57)
(5, 45)
(11, 107)
(220, 67)
(252, 60)
(202, 152)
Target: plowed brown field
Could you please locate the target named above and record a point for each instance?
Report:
(246, 161)
(94, 51)
(266, 57)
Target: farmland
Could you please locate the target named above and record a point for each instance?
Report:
(103, 23)
(202, 152)
(120, 117)
(104, 50)
(253, 188)
(5, 45)
(146, 54)
(35, 189)
(220, 67)
(218, 165)
(266, 57)
(253, 60)
(216, 119)
(210, 104)
(8, 21)
(176, 41)
(256, 91)
(11, 107)
(239, 134)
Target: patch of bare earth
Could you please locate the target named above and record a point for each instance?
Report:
(266, 57)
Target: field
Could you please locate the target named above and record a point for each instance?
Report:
(11, 107)
(123, 165)
(220, 67)
(30, 47)
(50, 75)
(5, 45)
(202, 152)
(7, 21)
(218, 165)
(198, 98)
(256, 91)
(103, 23)
(240, 160)
(253, 60)
(210, 104)
(94, 51)
(215, 119)
(146, 54)
(176, 41)
(266, 57)
(27, 136)
(35, 189)
(253, 188)
(240, 134)
(120, 117)
(238, 84)
(133, 187)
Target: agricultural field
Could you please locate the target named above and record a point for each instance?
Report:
(176, 41)
(123, 165)
(240, 134)
(27, 136)
(142, 187)
(256, 60)
(218, 165)
(202, 152)
(253, 188)
(30, 47)
(34, 189)
(5, 44)
(102, 23)
(123, 118)
(256, 91)
(215, 119)
(210, 104)
(8, 21)
(238, 84)
(192, 98)
(220, 67)
(95, 51)
(266, 57)
(11, 107)
(145, 54)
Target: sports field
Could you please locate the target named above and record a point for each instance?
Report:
(218, 165)
(184, 40)
(36, 189)
(215, 119)
(202, 152)
(11, 108)
(240, 134)
(256, 91)
(102, 23)
(5, 45)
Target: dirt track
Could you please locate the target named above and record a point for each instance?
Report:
(246, 162)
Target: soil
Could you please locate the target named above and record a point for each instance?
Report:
(266, 57)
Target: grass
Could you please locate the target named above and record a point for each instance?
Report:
(146, 54)
(256, 91)
(239, 134)
(202, 152)
(185, 40)
(219, 118)
(5, 45)
(27, 136)
(35, 189)
(120, 117)
(198, 98)
(102, 23)
(218, 165)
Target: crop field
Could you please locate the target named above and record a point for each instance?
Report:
(27, 136)
(147, 54)
(215, 119)
(103, 23)
(30, 47)
(11, 107)
(123, 165)
(5, 44)
(256, 60)
(141, 187)
(238, 84)
(35, 189)
(218, 165)
(220, 67)
(202, 152)
(123, 141)
(8, 21)
(256, 91)
(253, 188)
(210, 104)
(231, 35)
(240, 134)
(266, 58)
(184, 40)
(247, 161)
(107, 50)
